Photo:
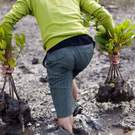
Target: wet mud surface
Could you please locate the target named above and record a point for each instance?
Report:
(31, 83)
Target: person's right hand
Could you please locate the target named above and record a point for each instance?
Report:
(115, 58)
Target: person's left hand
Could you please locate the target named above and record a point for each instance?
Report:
(115, 58)
(4, 70)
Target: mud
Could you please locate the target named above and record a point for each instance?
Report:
(115, 92)
(97, 118)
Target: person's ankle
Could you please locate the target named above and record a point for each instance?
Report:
(68, 128)
(66, 123)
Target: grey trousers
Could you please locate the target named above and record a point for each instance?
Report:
(62, 66)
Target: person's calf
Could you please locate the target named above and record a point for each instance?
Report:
(75, 90)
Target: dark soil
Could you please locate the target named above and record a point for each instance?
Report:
(115, 92)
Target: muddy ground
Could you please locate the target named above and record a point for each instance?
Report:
(103, 119)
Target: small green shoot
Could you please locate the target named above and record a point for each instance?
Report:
(124, 34)
(9, 54)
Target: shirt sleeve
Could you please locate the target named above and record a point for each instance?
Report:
(20, 9)
(99, 12)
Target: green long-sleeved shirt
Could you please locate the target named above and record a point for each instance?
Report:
(57, 19)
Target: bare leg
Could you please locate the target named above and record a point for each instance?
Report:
(67, 122)
(75, 90)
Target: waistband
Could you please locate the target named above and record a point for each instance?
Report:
(73, 41)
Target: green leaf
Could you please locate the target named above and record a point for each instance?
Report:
(123, 36)
(101, 40)
(2, 56)
(22, 40)
(11, 62)
(15, 50)
(3, 45)
(2, 52)
(2, 32)
(17, 39)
